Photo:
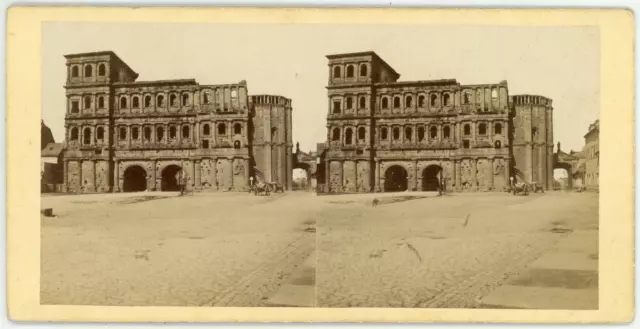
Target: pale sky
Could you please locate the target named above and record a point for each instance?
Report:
(561, 63)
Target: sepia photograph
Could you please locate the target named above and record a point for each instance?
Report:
(324, 166)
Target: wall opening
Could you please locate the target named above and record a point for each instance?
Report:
(170, 178)
(135, 179)
(395, 179)
(431, 177)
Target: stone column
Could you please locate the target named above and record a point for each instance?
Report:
(65, 176)
(191, 173)
(474, 173)
(128, 136)
(80, 182)
(197, 175)
(341, 173)
(528, 172)
(507, 165)
(154, 165)
(197, 133)
(327, 179)
(214, 173)
(417, 181)
(231, 174)
(94, 175)
(289, 168)
(377, 176)
(355, 171)
(116, 180)
(247, 172)
(456, 174)
(490, 187)
(541, 165)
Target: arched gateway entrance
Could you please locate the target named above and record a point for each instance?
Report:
(395, 179)
(169, 179)
(431, 178)
(135, 179)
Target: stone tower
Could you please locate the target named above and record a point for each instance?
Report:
(272, 141)
(532, 144)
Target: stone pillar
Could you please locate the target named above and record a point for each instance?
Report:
(94, 175)
(197, 176)
(214, 173)
(377, 176)
(289, 168)
(154, 165)
(247, 172)
(474, 173)
(116, 180)
(490, 184)
(528, 170)
(457, 174)
(327, 178)
(196, 133)
(341, 173)
(129, 136)
(80, 182)
(191, 173)
(65, 176)
(417, 181)
(507, 173)
(231, 174)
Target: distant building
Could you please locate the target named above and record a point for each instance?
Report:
(51, 176)
(126, 135)
(389, 135)
(592, 156)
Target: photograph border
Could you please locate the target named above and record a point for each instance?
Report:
(616, 228)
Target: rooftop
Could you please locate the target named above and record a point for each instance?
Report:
(365, 53)
(52, 150)
(101, 53)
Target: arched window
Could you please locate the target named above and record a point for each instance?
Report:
(335, 134)
(482, 129)
(147, 101)
(234, 94)
(350, 71)
(336, 72)
(206, 98)
(446, 132)
(447, 99)
(361, 133)
(349, 102)
(101, 102)
(384, 133)
(408, 132)
(236, 145)
(185, 132)
(396, 133)
(421, 101)
(86, 136)
(497, 144)
(160, 101)
(159, 133)
(494, 94)
(122, 133)
(102, 70)
(206, 130)
(421, 132)
(172, 132)
(222, 129)
(363, 102)
(348, 136)
(147, 133)
(135, 102)
(237, 129)
(433, 132)
(74, 134)
(274, 134)
(100, 133)
(434, 100)
(396, 102)
(534, 132)
(135, 133)
(75, 72)
(185, 99)
(123, 102)
(363, 70)
(87, 102)
(466, 98)
(385, 102)
(88, 71)
(497, 128)
(408, 101)
(173, 100)
(336, 106)
(467, 129)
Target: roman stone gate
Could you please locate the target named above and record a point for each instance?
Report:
(304, 170)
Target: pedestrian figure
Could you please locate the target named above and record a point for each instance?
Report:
(180, 181)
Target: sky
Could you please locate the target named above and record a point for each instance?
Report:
(561, 63)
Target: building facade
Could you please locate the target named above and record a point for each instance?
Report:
(592, 156)
(389, 135)
(126, 135)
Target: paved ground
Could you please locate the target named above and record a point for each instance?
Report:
(234, 249)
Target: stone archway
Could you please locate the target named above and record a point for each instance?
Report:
(396, 179)
(135, 179)
(431, 178)
(301, 177)
(567, 167)
(169, 180)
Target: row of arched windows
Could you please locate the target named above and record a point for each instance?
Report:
(350, 71)
(348, 135)
(146, 133)
(349, 104)
(185, 100)
(86, 134)
(88, 70)
(422, 101)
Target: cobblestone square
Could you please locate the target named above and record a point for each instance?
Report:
(235, 249)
